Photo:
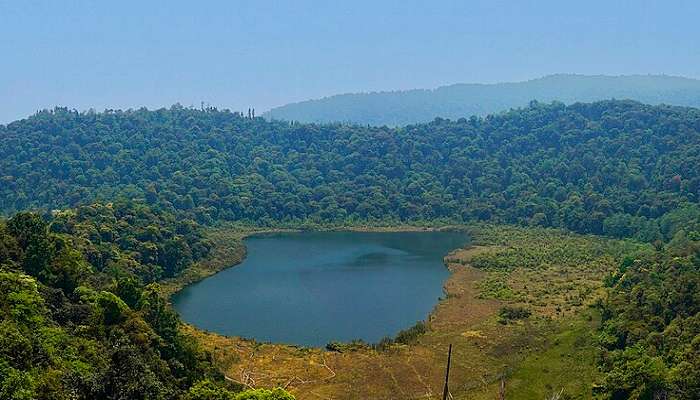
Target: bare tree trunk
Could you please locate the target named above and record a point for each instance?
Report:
(502, 389)
(446, 390)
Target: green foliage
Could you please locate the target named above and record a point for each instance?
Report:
(635, 374)
(508, 314)
(156, 311)
(67, 269)
(129, 290)
(17, 385)
(341, 347)
(567, 361)
(411, 334)
(29, 231)
(71, 330)
(264, 394)
(133, 238)
(494, 286)
(208, 390)
(613, 167)
(405, 336)
(651, 325)
(20, 300)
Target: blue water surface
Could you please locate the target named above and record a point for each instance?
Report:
(312, 288)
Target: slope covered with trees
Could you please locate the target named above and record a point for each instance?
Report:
(122, 196)
(651, 329)
(618, 168)
(79, 318)
(69, 326)
(454, 101)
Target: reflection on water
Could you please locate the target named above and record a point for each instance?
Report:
(315, 287)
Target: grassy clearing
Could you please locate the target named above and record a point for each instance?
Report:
(552, 275)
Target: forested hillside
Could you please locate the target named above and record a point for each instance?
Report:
(454, 101)
(81, 318)
(122, 196)
(617, 168)
(651, 324)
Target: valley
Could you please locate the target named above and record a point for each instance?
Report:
(365, 200)
(554, 346)
(581, 274)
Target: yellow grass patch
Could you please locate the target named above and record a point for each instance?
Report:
(484, 350)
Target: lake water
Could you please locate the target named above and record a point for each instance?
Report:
(312, 288)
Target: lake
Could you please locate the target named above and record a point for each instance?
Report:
(311, 288)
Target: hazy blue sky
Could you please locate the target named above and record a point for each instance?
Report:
(235, 54)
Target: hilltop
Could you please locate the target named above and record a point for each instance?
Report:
(611, 167)
(394, 108)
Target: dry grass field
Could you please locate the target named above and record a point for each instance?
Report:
(552, 275)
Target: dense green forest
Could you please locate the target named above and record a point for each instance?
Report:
(120, 198)
(617, 168)
(396, 108)
(651, 331)
(80, 319)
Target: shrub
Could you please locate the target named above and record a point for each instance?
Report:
(512, 313)
(411, 334)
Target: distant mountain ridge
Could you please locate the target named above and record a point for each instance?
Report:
(467, 99)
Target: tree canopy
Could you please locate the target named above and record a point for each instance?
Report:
(617, 168)
(79, 318)
(121, 197)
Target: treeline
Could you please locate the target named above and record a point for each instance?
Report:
(80, 320)
(616, 168)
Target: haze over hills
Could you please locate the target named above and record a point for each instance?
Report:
(350, 200)
(467, 99)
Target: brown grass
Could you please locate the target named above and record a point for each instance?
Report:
(484, 350)
(404, 372)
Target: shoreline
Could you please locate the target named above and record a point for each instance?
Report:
(486, 349)
(229, 249)
(459, 290)
(197, 273)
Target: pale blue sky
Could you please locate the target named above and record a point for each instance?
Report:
(235, 54)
